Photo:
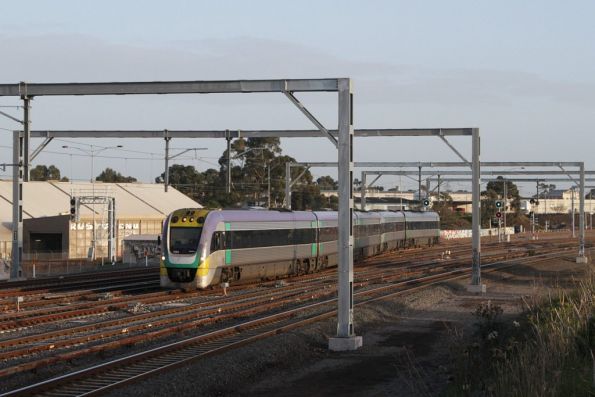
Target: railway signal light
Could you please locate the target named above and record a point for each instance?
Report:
(73, 209)
(498, 214)
(426, 202)
(499, 204)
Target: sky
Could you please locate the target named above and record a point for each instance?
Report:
(522, 72)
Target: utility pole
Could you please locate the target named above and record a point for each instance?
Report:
(269, 185)
(506, 237)
(228, 179)
(419, 186)
(572, 211)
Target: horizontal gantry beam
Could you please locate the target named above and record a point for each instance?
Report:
(243, 133)
(28, 90)
(442, 164)
(514, 179)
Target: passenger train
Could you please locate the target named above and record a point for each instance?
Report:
(208, 247)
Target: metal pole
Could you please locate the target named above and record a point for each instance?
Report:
(572, 212)
(269, 184)
(476, 285)
(346, 339)
(228, 183)
(17, 204)
(93, 245)
(288, 186)
(419, 185)
(505, 207)
(26, 137)
(581, 223)
(363, 191)
(166, 173)
(591, 208)
(438, 189)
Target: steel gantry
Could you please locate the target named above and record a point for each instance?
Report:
(475, 285)
(342, 138)
(581, 173)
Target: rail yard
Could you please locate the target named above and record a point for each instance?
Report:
(80, 334)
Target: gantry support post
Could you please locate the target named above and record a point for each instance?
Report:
(573, 192)
(111, 226)
(582, 258)
(438, 189)
(363, 188)
(476, 285)
(166, 173)
(287, 199)
(26, 137)
(346, 338)
(17, 204)
(228, 179)
(419, 185)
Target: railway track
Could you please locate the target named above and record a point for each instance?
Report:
(116, 373)
(210, 308)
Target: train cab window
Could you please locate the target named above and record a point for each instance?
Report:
(218, 241)
(184, 240)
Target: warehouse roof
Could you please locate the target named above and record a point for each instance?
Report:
(133, 200)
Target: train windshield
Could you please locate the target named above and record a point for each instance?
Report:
(184, 240)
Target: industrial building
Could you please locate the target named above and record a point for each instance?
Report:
(49, 232)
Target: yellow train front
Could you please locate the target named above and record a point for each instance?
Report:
(183, 264)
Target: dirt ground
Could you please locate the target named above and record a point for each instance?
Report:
(406, 344)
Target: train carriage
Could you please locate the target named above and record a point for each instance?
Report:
(207, 247)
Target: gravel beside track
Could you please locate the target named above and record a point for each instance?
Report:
(282, 352)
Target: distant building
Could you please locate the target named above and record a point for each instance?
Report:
(48, 231)
(557, 201)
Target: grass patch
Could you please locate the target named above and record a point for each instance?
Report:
(548, 351)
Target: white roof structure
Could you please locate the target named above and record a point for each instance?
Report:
(51, 198)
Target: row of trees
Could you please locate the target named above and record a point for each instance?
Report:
(52, 173)
(257, 167)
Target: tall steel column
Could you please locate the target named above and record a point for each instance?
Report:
(363, 191)
(228, 182)
(476, 285)
(581, 258)
(17, 204)
(419, 185)
(166, 173)
(26, 137)
(287, 186)
(345, 339)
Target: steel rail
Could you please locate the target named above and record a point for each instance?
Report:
(141, 365)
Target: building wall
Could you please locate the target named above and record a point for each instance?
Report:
(81, 234)
(49, 225)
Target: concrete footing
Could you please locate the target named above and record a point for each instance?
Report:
(338, 344)
(582, 259)
(477, 289)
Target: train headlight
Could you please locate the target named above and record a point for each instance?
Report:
(162, 257)
(184, 219)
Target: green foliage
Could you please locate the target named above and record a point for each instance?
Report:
(545, 352)
(256, 163)
(112, 176)
(44, 173)
(495, 191)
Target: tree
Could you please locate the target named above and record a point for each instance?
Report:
(545, 189)
(327, 183)
(110, 175)
(495, 191)
(252, 161)
(44, 173)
